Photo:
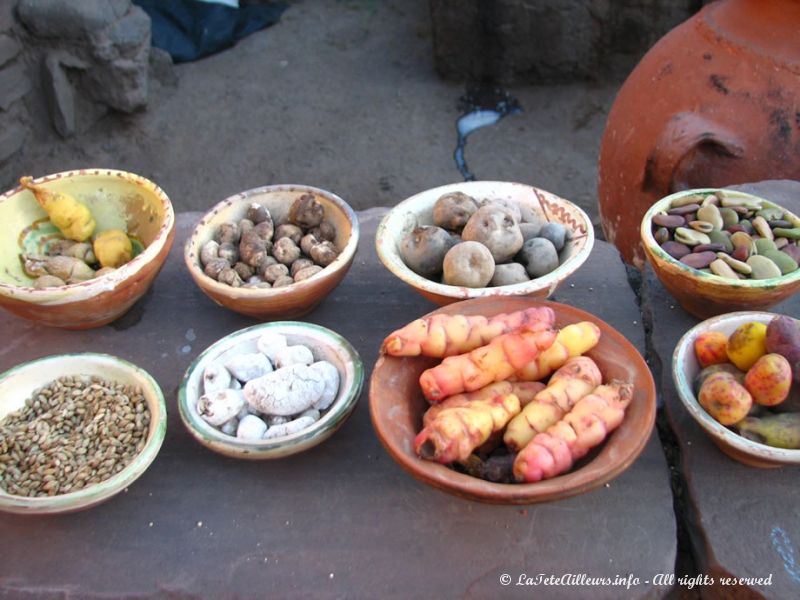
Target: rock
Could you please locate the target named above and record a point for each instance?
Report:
(124, 38)
(14, 84)
(59, 92)
(9, 49)
(161, 67)
(68, 19)
(121, 84)
(11, 141)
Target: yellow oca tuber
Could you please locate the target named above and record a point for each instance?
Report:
(113, 248)
(70, 216)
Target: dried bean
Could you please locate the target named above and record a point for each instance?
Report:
(684, 209)
(699, 260)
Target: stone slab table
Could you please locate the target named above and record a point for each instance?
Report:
(742, 522)
(341, 520)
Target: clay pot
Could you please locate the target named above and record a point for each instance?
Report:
(715, 102)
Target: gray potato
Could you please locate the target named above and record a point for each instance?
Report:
(508, 274)
(496, 228)
(469, 264)
(539, 257)
(423, 249)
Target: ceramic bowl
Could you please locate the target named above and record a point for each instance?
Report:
(418, 210)
(275, 303)
(19, 383)
(324, 343)
(397, 405)
(705, 294)
(684, 370)
(117, 199)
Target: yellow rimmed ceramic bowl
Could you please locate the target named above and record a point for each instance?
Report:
(324, 343)
(117, 200)
(418, 211)
(705, 294)
(19, 383)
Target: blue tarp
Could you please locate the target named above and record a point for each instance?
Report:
(188, 29)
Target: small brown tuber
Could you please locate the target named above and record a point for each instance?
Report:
(307, 272)
(244, 270)
(324, 231)
(293, 232)
(257, 213)
(275, 272)
(230, 277)
(285, 251)
(209, 251)
(228, 233)
(253, 249)
(229, 252)
(265, 229)
(306, 211)
(300, 264)
(324, 253)
(66, 268)
(283, 281)
(215, 267)
(453, 210)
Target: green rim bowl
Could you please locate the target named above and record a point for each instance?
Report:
(324, 343)
(705, 294)
(685, 368)
(418, 210)
(18, 384)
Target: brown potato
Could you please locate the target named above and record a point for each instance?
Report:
(496, 228)
(469, 264)
(452, 211)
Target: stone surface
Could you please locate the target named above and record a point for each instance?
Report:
(59, 91)
(14, 84)
(342, 519)
(9, 49)
(742, 521)
(123, 38)
(12, 138)
(68, 19)
(547, 40)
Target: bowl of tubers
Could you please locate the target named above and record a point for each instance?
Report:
(719, 251)
(512, 400)
(80, 247)
(738, 376)
(75, 429)
(271, 390)
(484, 238)
(273, 252)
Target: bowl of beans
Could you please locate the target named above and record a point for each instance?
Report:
(75, 429)
(719, 251)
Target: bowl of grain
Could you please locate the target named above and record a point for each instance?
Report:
(75, 429)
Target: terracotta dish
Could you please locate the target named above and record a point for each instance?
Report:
(275, 303)
(117, 200)
(705, 294)
(396, 405)
(418, 210)
(684, 370)
(18, 384)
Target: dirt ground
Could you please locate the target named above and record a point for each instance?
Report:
(342, 95)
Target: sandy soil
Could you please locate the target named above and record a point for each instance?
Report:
(342, 95)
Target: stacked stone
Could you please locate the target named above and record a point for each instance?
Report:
(15, 84)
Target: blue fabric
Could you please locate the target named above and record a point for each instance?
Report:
(189, 30)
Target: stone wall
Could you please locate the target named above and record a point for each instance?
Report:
(66, 63)
(547, 41)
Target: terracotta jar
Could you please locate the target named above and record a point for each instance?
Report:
(715, 102)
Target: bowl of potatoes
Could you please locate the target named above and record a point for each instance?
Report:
(484, 238)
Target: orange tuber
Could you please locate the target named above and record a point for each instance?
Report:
(496, 361)
(455, 432)
(524, 390)
(554, 451)
(571, 382)
(443, 335)
(572, 340)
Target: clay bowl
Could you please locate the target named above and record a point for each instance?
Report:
(684, 370)
(279, 303)
(117, 199)
(324, 343)
(397, 405)
(418, 210)
(705, 294)
(19, 383)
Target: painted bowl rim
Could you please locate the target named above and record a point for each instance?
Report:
(653, 248)
(104, 283)
(326, 426)
(94, 494)
(388, 255)
(684, 351)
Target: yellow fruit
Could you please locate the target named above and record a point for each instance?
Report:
(113, 248)
(747, 344)
(70, 216)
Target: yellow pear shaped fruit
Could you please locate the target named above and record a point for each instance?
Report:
(72, 218)
(113, 248)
